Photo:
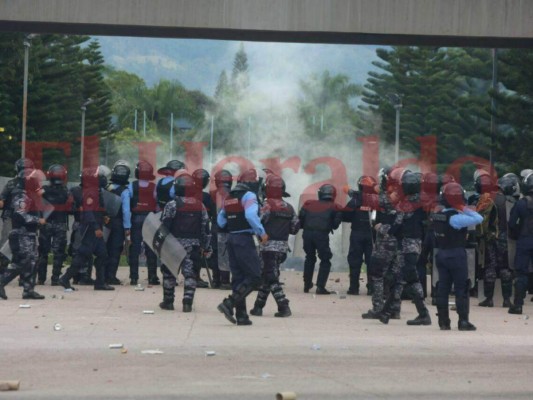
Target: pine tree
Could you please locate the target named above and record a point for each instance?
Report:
(240, 79)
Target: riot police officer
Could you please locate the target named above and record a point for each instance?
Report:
(358, 213)
(186, 218)
(201, 180)
(450, 225)
(22, 166)
(318, 218)
(280, 220)
(521, 229)
(165, 185)
(408, 230)
(89, 238)
(26, 219)
(120, 224)
(384, 257)
(240, 214)
(53, 235)
(142, 202)
(219, 261)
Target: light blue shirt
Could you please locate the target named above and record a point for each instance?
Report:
(464, 219)
(251, 213)
(125, 197)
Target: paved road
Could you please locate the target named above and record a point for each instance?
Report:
(356, 359)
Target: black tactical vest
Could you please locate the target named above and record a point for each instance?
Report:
(319, 215)
(57, 195)
(118, 191)
(77, 195)
(278, 225)
(446, 236)
(187, 222)
(500, 201)
(361, 215)
(412, 226)
(526, 226)
(235, 212)
(163, 192)
(142, 198)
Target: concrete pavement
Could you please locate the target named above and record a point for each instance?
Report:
(324, 351)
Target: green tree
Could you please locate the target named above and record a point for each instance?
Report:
(326, 105)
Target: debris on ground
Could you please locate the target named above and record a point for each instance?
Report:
(152, 352)
(9, 385)
(116, 346)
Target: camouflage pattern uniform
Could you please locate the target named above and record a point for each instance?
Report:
(384, 258)
(7, 197)
(187, 267)
(23, 243)
(408, 228)
(273, 254)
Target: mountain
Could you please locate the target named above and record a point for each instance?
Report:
(197, 63)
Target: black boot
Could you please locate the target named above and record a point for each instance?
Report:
(226, 308)
(506, 303)
(257, 311)
(308, 286)
(32, 295)
(514, 309)
(370, 314)
(444, 319)
(187, 306)
(283, 311)
(322, 290)
(423, 314)
(464, 325)
(241, 314)
(166, 305)
(488, 302)
(3, 294)
(488, 291)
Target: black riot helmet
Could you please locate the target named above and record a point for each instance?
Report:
(184, 185)
(144, 171)
(23, 166)
(327, 192)
(251, 180)
(223, 178)
(275, 187)
(410, 183)
(120, 174)
(452, 195)
(57, 174)
(366, 184)
(23, 163)
(509, 184)
(171, 167)
(527, 184)
(201, 178)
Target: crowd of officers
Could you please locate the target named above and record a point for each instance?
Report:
(400, 223)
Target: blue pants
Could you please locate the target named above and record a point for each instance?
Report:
(453, 269)
(524, 254)
(90, 245)
(115, 246)
(137, 221)
(244, 263)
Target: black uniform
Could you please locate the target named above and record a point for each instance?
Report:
(361, 239)
(142, 203)
(318, 218)
(53, 235)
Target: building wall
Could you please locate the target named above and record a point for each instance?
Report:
(510, 19)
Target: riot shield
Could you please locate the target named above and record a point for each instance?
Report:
(112, 203)
(163, 243)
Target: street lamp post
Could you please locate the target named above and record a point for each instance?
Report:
(27, 46)
(83, 109)
(396, 101)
